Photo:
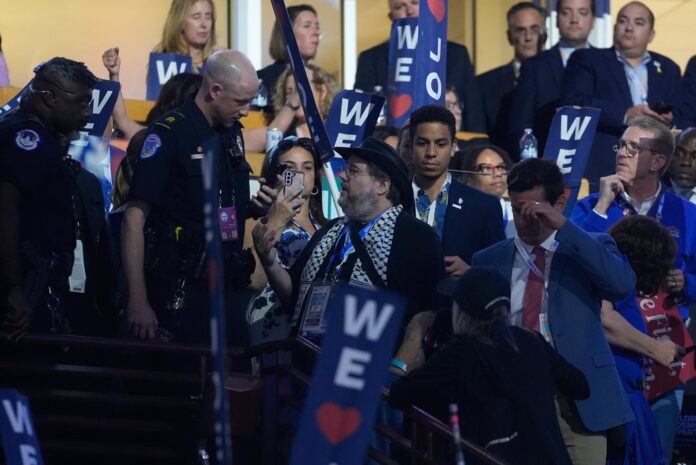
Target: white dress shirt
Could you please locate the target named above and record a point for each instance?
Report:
(520, 273)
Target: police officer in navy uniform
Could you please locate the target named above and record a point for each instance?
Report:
(37, 228)
(163, 239)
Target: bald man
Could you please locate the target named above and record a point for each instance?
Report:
(163, 231)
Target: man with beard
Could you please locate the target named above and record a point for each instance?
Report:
(378, 243)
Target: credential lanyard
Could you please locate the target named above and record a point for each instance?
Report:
(348, 248)
(628, 208)
(530, 262)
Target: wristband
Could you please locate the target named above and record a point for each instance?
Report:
(396, 363)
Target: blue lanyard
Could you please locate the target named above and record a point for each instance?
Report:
(348, 248)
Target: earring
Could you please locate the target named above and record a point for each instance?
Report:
(315, 190)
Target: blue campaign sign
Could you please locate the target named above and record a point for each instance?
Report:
(104, 96)
(316, 125)
(570, 139)
(402, 70)
(352, 117)
(161, 68)
(339, 411)
(17, 430)
(431, 54)
(14, 102)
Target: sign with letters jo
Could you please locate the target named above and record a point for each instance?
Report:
(17, 429)
(570, 139)
(161, 68)
(344, 392)
(431, 54)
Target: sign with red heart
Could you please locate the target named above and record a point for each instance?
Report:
(336, 423)
(399, 105)
(438, 9)
(337, 418)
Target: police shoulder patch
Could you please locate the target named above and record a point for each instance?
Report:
(27, 139)
(150, 147)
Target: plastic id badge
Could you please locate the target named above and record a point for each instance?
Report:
(544, 327)
(78, 276)
(314, 320)
(227, 220)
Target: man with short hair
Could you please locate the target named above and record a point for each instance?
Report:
(378, 243)
(526, 35)
(538, 89)
(642, 157)
(373, 67)
(466, 219)
(623, 81)
(37, 187)
(559, 276)
(163, 240)
(681, 174)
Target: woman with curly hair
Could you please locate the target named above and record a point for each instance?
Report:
(650, 250)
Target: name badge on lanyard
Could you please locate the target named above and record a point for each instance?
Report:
(227, 220)
(314, 320)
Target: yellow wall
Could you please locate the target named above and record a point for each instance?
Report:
(36, 30)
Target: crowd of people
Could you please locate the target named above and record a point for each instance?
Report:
(534, 322)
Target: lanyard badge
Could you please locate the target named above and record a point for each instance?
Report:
(227, 221)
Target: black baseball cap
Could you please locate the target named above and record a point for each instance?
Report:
(477, 291)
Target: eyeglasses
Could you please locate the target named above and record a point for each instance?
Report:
(351, 171)
(632, 149)
(487, 169)
(84, 103)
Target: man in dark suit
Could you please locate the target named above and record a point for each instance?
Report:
(538, 89)
(525, 33)
(559, 275)
(373, 67)
(466, 219)
(687, 96)
(624, 81)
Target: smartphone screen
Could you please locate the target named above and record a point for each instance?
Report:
(293, 179)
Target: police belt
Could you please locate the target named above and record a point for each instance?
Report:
(173, 252)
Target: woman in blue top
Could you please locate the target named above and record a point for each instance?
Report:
(299, 218)
(650, 250)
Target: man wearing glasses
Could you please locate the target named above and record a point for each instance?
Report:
(642, 157)
(37, 208)
(465, 219)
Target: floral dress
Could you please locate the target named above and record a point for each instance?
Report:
(267, 319)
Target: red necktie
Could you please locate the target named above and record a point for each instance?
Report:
(533, 293)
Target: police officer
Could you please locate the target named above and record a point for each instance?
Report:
(163, 240)
(37, 228)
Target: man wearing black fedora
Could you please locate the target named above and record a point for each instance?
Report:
(378, 243)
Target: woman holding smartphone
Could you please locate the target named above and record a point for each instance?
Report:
(295, 168)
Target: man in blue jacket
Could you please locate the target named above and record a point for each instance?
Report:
(466, 219)
(559, 275)
(624, 81)
(643, 156)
